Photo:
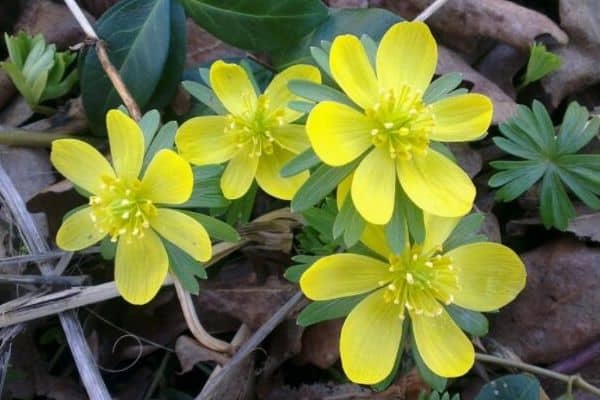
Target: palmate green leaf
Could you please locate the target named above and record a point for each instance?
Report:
(258, 25)
(551, 158)
(205, 95)
(541, 63)
(511, 387)
(216, 228)
(442, 87)
(369, 21)
(303, 161)
(185, 268)
(207, 190)
(316, 92)
(349, 223)
(147, 55)
(472, 322)
(319, 311)
(467, 231)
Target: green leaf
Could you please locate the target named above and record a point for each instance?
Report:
(139, 53)
(576, 131)
(320, 184)
(413, 216)
(442, 87)
(541, 63)
(556, 208)
(216, 228)
(431, 378)
(356, 21)
(319, 311)
(348, 222)
(294, 272)
(205, 95)
(257, 25)
(163, 139)
(511, 387)
(303, 161)
(466, 232)
(321, 58)
(207, 188)
(149, 124)
(322, 220)
(241, 209)
(396, 231)
(472, 322)
(185, 268)
(317, 92)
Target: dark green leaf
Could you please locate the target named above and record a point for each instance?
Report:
(320, 184)
(216, 228)
(171, 75)
(431, 378)
(413, 217)
(511, 387)
(322, 220)
(396, 231)
(205, 95)
(149, 123)
(301, 162)
(108, 249)
(139, 53)
(257, 25)
(241, 209)
(519, 182)
(555, 208)
(294, 272)
(319, 311)
(185, 268)
(164, 139)
(472, 322)
(370, 21)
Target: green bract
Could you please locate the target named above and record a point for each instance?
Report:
(37, 69)
(541, 63)
(549, 157)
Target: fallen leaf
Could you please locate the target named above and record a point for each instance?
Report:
(321, 343)
(189, 352)
(556, 314)
(586, 226)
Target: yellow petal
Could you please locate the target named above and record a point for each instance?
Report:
(442, 345)
(436, 184)
(184, 232)
(343, 275)
(407, 55)
(239, 174)
(292, 137)
(279, 95)
(374, 186)
(269, 179)
(78, 231)
(461, 118)
(232, 86)
(338, 133)
(203, 140)
(370, 339)
(352, 70)
(168, 179)
(437, 230)
(490, 275)
(126, 144)
(80, 163)
(342, 190)
(141, 266)
(374, 238)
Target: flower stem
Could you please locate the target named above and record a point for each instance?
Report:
(573, 380)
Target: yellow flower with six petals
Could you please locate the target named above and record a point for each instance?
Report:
(257, 137)
(129, 209)
(478, 276)
(395, 127)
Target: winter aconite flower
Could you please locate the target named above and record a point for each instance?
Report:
(417, 284)
(256, 138)
(395, 127)
(129, 209)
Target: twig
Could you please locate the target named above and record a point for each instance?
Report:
(104, 59)
(429, 11)
(43, 280)
(36, 243)
(252, 343)
(193, 323)
(574, 380)
(577, 361)
(23, 137)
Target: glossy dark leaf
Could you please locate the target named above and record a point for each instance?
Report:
(511, 387)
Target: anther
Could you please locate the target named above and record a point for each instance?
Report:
(388, 125)
(392, 287)
(409, 278)
(429, 264)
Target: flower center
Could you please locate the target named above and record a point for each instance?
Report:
(118, 209)
(404, 122)
(255, 126)
(421, 282)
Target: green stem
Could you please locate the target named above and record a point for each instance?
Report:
(23, 137)
(574, 380)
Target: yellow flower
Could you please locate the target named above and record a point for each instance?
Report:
(395, 126)
(419, 282)
(257, 137)
(128, 209)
